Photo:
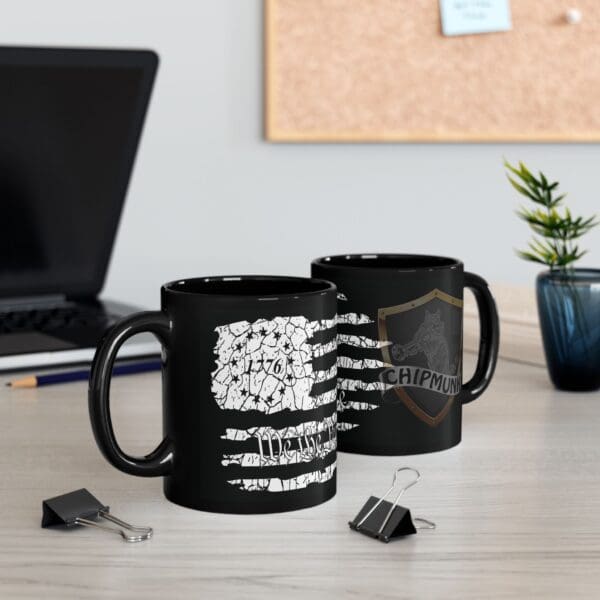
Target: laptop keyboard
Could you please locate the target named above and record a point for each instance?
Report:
(53, 319)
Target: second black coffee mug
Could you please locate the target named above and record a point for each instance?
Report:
(249, 411)
(400, 320)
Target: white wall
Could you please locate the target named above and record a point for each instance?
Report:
(209, 196)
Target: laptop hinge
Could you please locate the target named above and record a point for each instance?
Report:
(33, 302)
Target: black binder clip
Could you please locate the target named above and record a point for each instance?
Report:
(81, 508)
(383, 520)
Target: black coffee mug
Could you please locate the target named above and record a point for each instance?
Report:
(249, 398)
(400, 320)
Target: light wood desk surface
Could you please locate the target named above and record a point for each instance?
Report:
(517, 507)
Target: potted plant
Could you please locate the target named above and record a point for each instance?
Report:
(568, 298)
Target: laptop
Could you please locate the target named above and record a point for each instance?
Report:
(70, 123)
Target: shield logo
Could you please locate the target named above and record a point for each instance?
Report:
(424, 353)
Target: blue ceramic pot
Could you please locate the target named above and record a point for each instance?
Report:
(569, 310)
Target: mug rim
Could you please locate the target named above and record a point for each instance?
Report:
(321, 286)
(336, 261)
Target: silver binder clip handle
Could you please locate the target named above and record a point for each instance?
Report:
(137, 534)
(421, 523)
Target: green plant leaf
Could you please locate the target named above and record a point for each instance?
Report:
(527, 175)
(554, 230)
(531, 257)
(524, 191)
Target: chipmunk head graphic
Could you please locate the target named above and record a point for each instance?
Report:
(430, 340)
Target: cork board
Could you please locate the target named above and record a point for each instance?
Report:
(381, 70)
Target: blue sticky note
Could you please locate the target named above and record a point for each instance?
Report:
(461, 17)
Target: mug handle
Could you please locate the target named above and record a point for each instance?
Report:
(159, 461)
(489, 339)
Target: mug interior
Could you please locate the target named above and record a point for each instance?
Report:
(250, 286)
(399, 262)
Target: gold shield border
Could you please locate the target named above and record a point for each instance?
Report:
(383, 313)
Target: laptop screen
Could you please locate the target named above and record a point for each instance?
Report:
(70, 122)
